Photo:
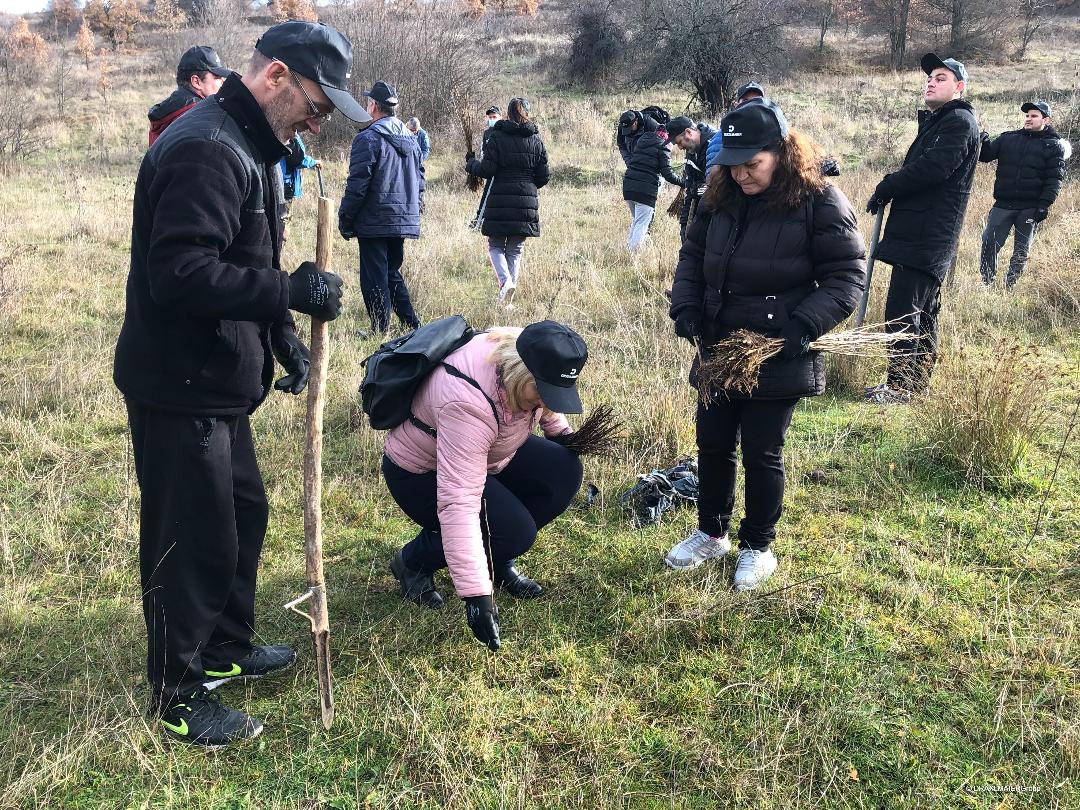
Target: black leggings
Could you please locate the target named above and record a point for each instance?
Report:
(531, 491)
(759, 425)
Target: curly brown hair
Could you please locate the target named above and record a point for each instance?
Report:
(798, 175)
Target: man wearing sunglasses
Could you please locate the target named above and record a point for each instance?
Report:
(381, 208)
(208, 310)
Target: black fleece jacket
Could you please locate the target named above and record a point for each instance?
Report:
(205, 284)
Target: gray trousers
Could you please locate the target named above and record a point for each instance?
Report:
(639, 226)
(505, 254)
(998, 224)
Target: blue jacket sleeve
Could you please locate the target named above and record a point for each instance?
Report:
(425, 144)
(308, 162)
(714, 148)
(362, 162)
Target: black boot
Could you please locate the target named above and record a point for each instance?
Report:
(515, 583)
(415, 587)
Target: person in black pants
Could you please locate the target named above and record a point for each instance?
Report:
(467, 468)
(381, 208)
(929, 196)
(207, 311)
(774, 249)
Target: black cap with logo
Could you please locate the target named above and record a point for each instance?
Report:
(931, 62)
(202, 59)
(383, 93)
(749, 128)
(1041, 106)
(555, 355)
(317, 52)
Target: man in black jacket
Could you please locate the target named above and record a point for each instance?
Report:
(199, 74)
(1030, 170)
(207, 312)
(929, 195)
(694, 140)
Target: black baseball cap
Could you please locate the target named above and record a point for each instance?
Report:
(748, 129)
(202, 59)
(492, 110)
(1041, 106)
(383, 93)
(554, 354)
(678, 124)
(747, 88)
(317, 52)
(931, 62)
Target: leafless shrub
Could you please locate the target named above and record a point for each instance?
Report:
(21, 126)
(982, 413)
(598, 45)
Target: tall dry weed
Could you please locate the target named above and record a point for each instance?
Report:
(983, 412)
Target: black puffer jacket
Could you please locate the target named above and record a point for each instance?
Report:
(930, 191)
(516, 161)
(205, 284)
(1030, 170)
(748, 267)
(694, 174)
(647, 157)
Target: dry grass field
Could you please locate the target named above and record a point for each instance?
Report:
(919, 646)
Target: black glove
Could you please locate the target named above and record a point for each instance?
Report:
(314, 292)
(1041, 214)
(563, 438)
(796, 335)
(688, 325)
(483, 619)
(984, 136)
(470, 155)
(873, 205)
(294, 357)
(346, 235)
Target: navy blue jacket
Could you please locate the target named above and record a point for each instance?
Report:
(385, 185)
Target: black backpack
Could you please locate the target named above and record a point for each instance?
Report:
(657, 114)
(396, 370)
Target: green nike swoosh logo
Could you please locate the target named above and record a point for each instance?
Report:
(234, 671)
(181, 729)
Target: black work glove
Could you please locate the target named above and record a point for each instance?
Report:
(796, 335)
(294, 357)
(470, 155)
(984, 136)
(314, 292)
(875, 204)
(346, 235)
(483, 619)
(563, 438)
(688, 325)
(1041, 214)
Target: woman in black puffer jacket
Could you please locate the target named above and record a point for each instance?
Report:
(516, 162)
(775, 249)
(645, 151)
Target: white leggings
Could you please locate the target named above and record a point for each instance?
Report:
(505, 253)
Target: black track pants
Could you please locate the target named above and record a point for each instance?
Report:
(202, 522)
(913, 304)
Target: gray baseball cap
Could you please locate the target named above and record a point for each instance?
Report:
(931, 62)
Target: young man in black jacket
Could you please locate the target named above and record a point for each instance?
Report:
(1030, 170)
(207, 312)
(694, 140)
(929, 196)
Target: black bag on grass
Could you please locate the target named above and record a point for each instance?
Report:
(396, 369)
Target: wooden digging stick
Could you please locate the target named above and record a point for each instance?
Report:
(313, 555)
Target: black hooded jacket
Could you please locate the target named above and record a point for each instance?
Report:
(1030, 170)
(647, 157)
(205, 283)
(516, 161)
(694, 174)
(930, 191)
(750, 267)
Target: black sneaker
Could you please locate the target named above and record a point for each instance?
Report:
(258, 663)
(200, 719)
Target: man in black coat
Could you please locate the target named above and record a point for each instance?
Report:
(645, 151)
(207, 312)
(199, 74)
(694, 140)
(929, 196)
(1030, 170)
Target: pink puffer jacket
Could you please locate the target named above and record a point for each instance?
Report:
(469, 447)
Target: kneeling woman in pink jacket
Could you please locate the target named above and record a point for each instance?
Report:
(468, 468)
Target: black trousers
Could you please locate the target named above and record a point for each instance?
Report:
(533, 489)
(382, 284)
(913, 304)
(760, 426)
(999, 222)
(202, 522)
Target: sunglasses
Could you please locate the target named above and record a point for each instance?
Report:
(317, 115)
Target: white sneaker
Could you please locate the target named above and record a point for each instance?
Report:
(753, 567)
(696, 549)
(506, 295)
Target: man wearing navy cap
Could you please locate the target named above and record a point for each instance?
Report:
(381, 208)
(929, 196)
(1030, 171)
(199, 74)
(208, 308)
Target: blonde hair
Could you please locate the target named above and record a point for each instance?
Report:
(512, 372)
